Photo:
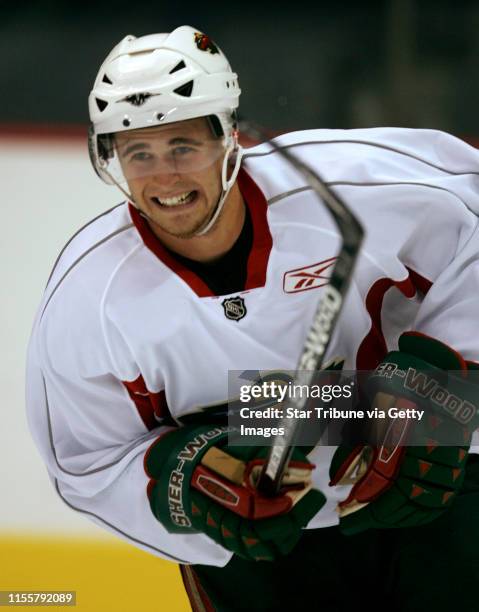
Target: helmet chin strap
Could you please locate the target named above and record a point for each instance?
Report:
(226, 185)
(124, 191)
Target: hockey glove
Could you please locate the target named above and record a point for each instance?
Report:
(199, 484)
(404, 486)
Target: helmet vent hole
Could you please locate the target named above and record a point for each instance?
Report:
(126, 122)
(105, 79)
(102, 104)
(179, 66)
(160, 116)
(215, 125)
(185, 90)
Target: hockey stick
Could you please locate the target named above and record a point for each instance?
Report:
(327, 312)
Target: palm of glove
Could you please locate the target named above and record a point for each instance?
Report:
(425, 486)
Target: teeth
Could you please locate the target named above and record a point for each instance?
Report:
(180, 199)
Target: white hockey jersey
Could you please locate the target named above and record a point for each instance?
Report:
(127, 340)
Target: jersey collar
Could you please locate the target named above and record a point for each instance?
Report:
(260, 250)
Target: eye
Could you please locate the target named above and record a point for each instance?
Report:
(183, 150)
(141, 156)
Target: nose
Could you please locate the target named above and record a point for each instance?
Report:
(166, 178)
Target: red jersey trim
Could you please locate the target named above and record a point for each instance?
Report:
(421, 283)
(262, 239)
(151, 241)
(151, 407)
(373, 348)
(258, 257)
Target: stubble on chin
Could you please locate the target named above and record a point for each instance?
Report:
(182, 233)
(194, 229)
(185, 235)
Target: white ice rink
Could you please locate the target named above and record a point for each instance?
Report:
(49, 190)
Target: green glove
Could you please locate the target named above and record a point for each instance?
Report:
(200, 484)
(414, 484)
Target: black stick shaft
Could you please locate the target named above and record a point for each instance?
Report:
(325, 317)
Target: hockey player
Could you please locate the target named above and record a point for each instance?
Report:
(202, 271)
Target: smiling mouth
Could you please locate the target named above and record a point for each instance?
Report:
(180, 200)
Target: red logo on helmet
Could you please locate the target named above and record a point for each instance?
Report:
(204, 43)
(309, 277)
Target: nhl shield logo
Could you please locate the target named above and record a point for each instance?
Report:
(235, 308)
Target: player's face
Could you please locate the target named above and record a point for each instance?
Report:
(173, 173)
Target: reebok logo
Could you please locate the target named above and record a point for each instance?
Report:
(309, 277)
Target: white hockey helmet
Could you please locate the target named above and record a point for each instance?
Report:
(159, 79)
